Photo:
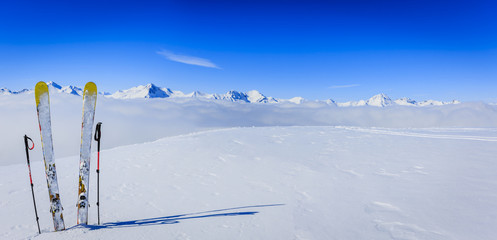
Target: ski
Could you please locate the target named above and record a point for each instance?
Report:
(89, 103)
(43, 110)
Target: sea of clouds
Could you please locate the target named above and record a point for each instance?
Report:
(141, 120)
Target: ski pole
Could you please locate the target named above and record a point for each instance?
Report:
(98, 134)
(26, 138)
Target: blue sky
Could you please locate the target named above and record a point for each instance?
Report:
(344, 50)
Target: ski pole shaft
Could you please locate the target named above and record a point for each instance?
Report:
(98, 197)
(98, 134)
(26, 138)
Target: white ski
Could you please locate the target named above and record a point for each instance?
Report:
(43, 109)
(89, 103)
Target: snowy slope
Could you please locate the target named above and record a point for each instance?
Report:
(275, 183)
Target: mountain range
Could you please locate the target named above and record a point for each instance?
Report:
(152, 91)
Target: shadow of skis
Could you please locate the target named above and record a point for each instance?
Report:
(177, 218)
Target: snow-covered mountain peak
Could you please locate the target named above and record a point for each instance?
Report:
(235, 96)
(331, 102)
(54, 85)
(72, 90)
(197, 94)
(296, 100)
(64, 89)
(405, 102)
(151, 90)
(380, 100)
(255, 96)
(5, 91)
(143, 91)
(436, 103)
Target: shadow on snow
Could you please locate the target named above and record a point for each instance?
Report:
(175, 218)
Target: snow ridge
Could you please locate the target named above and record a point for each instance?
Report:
(67, 89)
(147, 91)
(152, 91)
(382, 100)
(5, 91)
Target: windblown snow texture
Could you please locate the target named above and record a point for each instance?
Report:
(278, 183)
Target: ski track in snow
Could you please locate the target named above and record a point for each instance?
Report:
(275, 183)
(422, 135)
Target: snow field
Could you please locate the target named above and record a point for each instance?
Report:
(275, 183)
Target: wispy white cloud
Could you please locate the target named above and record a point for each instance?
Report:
(345, 86)
(188, 59)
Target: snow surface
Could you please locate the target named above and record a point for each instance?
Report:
(276, 183)
(188, 168)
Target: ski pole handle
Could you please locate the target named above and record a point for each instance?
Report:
(98, 135)
(26, 138)
(98, 132)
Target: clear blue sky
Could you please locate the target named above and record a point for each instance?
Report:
(344, 50)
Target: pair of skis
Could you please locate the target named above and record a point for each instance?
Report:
(43, 109)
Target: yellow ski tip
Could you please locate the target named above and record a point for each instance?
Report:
(40, 89)
(90, 89)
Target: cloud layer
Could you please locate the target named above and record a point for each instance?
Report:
(142, 120)
(188, 59)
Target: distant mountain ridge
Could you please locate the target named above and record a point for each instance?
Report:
(152, 91)
(5, 91)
